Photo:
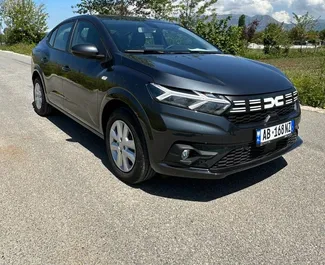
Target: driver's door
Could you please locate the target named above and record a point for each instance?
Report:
(83, 76)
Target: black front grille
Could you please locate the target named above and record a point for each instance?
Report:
(245, 118)
(252, 152)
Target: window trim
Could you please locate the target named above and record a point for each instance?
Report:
(107, 53)
(50, 37)
(73, 21)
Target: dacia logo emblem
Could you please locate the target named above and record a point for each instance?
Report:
(270, 103)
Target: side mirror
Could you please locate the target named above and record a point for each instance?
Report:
(89, 51)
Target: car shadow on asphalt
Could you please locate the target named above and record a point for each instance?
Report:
(203, 190)
(173, 187)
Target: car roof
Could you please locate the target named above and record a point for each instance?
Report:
(110, 17)
(130, 18)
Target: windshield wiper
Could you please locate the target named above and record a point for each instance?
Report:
(145, 51)
(204, 52)
(151, 51)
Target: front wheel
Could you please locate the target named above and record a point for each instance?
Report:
(126, 148)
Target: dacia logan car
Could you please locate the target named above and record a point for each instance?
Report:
(164, 99)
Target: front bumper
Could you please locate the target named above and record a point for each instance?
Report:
(204, 173)
(211, 139)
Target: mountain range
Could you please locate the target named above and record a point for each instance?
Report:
(265, 20)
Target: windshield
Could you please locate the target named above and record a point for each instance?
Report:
(155, 37)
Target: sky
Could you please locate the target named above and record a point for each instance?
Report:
(58, 10)
(279, 9)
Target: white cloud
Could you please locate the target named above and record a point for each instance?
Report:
(279, 9)
(310, 5)
(248, 7)
(282, 16)
(283, 3)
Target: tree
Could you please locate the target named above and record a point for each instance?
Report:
(154, 8)
(302, 25)
(160, 9)
(258, 37)
(250, 30)
(192, 11)
(218, 32)
(313, 37)
(242, 21)
(322, 35)
(242, 25)
(25, 20)
(275, 38)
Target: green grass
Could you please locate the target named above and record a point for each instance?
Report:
(308, 76)
(293, 53)
(21, 48)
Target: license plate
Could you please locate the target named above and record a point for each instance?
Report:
(266, 135)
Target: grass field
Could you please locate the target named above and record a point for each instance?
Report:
(306, 69)
(308, 75)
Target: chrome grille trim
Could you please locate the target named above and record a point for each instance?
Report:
(258, 104)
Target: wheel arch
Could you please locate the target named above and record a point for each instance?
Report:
(119, 97)
(38, 73)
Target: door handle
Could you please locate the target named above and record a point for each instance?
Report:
(66, 68)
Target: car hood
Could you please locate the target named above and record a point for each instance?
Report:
(215, 73)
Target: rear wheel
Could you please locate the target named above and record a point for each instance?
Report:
(126, 148)
(40, 105)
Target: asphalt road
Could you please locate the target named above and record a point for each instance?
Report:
(59, 204)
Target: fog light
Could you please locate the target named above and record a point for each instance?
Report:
(185, 154)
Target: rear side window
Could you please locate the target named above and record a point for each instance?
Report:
(62, 36)
(86, 33)
(53, 37)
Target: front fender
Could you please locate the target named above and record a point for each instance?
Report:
(124, 96)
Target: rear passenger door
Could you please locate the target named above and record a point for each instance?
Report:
(84, 76)
(53, 64)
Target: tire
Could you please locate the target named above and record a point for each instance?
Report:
(40, 105)
(133, 143)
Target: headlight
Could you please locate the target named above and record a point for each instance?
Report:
(193, 100)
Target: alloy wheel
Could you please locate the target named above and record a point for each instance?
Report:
(38, 96)
(122, 146)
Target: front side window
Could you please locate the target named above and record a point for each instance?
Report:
(146, 35)
(62, 36)
(86, 33)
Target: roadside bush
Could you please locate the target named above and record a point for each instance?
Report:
(311, 86)
(19, 48)
(311, 91)
(16, 36)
